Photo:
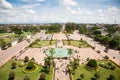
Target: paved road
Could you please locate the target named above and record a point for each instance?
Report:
(5, 55)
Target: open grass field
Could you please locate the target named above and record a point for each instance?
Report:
(43, 43)
(104, 73)
(8, 37)
(19, 74)
(5, 34)
(77, 43)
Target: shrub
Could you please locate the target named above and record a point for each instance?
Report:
(82, 75)
(33, 59)
(26, 59)
(106, 57)
(27, 78)
(13, 65)
(93, 47)
(97, 75)
(109, 63)
(107, 67)
(30, 65)
(102, 65)
(11, 75)
(42, 76)
(9, 44)
(113, 67)
(92, 63)
(88, 59)
(21, 64)
(98, 51)
(111, 77)
(93, 78)
(75, 51)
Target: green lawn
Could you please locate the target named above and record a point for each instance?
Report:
(8, 37)
(43, 43)
(5, 34)
(77, 43)
(19, 74)
(26, 33)
(104, 73)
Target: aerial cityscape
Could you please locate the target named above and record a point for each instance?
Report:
(59, 39)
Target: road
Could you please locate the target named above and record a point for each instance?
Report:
(6, 55)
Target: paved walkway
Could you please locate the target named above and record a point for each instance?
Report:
(111, 53)
(59, 36)
(60, 43)
(36, 53)
(61, 71)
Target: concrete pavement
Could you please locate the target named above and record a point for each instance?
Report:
(6, 55)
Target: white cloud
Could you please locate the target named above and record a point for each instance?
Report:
(33, 0)
(31, 6)
(69, 11)
(68, 3)
(30, 11)
(5, 5)
(72, 11)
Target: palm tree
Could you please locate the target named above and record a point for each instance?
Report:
(52, 51)
(49, 62)
(70, 52)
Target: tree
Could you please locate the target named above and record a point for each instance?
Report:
(27, 78)
(33, 59)
(110, 29)
(96, 32)
(70, 52)
(26, 59)
(106, 57)
(92, 64)
(82, 75)
(97, 75)
(93, 78)
(111, 77)
(3, 44)
(109, 63)
(52, 51)
(12, 75)
(73, 65)
(69, 27)
(82, 29)
(115, 42)
(113, 67)
(42, 76)
(13, 65)
(49, 62)
(68, 41)
(30, 65)
(105, 40)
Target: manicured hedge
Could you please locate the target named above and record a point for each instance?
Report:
(53, 73)
(30, 71)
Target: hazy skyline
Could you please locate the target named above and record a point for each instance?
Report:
(60, 11)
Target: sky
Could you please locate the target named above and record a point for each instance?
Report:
(60, 11)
